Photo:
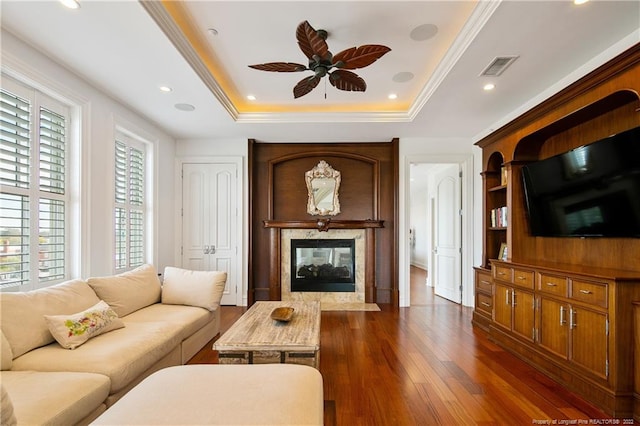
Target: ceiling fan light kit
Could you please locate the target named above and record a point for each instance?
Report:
(322, 62)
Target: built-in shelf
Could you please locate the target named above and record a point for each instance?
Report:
(498, 188)
(524, 300)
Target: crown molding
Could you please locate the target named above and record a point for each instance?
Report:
(165, 21)
(478, 19)
(324, 117)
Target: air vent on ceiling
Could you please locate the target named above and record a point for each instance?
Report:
(498, 65)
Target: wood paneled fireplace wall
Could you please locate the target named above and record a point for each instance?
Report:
(368, 200)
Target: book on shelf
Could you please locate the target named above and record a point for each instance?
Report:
(498, 217)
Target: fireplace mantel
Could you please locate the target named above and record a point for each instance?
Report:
(323, 225)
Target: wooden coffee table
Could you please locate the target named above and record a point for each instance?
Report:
(257, 339)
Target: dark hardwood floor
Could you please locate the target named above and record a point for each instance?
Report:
(426, 365)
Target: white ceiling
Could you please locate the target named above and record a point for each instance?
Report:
(128, 51)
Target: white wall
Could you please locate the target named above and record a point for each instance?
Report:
(221, 147)
(100, 115)
(418, 222)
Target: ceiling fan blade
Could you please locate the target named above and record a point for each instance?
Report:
(305, 85)
(347, 80)
(279, 67)
(310, 42)
(360, 57)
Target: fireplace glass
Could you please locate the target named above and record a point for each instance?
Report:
(323, 265)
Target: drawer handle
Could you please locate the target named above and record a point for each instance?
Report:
(586, 292)
(522, 278)
(552, 285)
(485, 282)
(488, 305)
(501, 273)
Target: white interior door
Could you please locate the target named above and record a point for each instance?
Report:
(209, 221)
(448, 224)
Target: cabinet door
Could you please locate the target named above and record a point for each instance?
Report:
(502, 305)
(589, 340)
(523, 313)
(553, 326)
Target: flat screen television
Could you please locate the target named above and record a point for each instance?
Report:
(590, 191)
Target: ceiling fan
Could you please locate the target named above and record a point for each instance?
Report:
(323, 63)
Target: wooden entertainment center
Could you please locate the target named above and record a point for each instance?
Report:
(564, 305)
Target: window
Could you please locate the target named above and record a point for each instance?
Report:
(130, 203)
(34, 198)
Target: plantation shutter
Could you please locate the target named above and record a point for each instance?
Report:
(52, 208)
(120, 210)
(33, 147)
(130, 205)
(15, 126)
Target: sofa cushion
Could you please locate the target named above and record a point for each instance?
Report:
(188, 319)
(193, 288)
(7, 417)
(122, 355)
(23, 313)
(7, 354)
(73, 330)
(54, 398)
(129, 291)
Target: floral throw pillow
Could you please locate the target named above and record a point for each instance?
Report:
(73, 330)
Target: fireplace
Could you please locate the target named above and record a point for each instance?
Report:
(323, 265)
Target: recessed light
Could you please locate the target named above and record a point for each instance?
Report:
(212, 31)
(489, 86)
(165, 89)
(579, 2)
(185, 107)
(251, 97)
(393, 96)
(71, 4)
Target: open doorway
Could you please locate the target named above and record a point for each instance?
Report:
(435, 242)
(407, 241)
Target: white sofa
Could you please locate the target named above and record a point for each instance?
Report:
(156, 326)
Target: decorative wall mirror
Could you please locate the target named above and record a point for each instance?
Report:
(323, 183)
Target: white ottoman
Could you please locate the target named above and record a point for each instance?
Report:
(256, 394)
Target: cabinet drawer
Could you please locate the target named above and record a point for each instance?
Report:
(523, 278)
(553, 285)
(485, 303)
(483, 283)
(502, 273)
(589, 292)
